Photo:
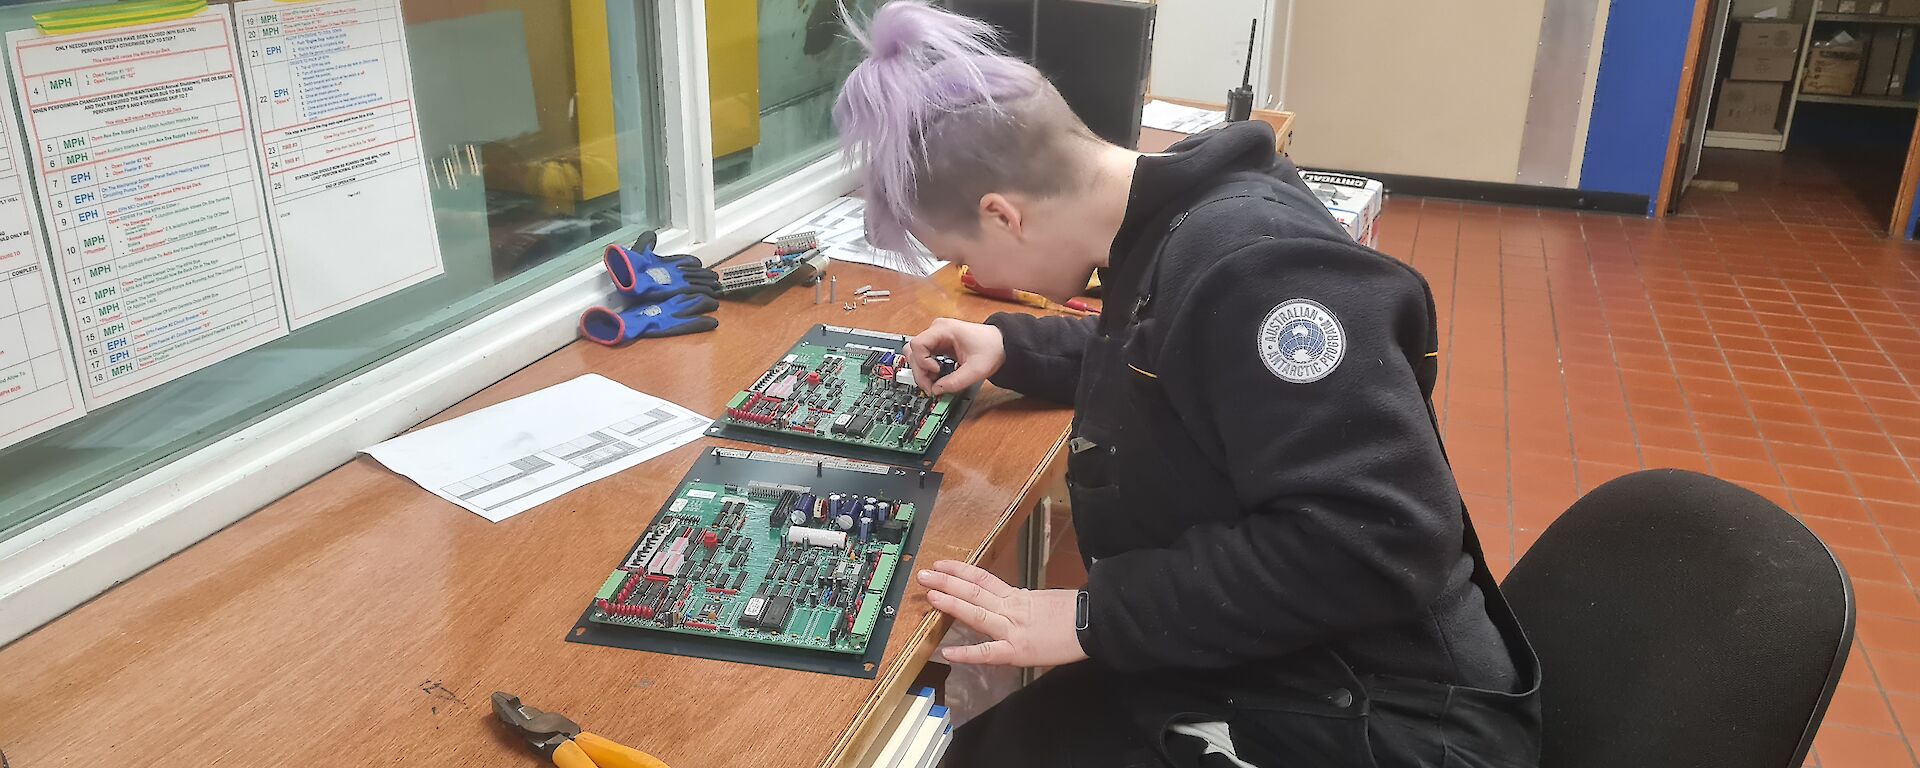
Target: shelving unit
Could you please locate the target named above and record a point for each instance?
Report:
(1895, 102)
(1766, 142)
(1772, 141)
(1776, 141)
(1861, 18)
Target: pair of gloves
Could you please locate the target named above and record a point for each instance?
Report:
(668, 296)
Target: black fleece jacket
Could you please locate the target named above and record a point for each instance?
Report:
(1255, 470)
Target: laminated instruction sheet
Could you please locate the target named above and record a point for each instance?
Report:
(332, 98)
(149, 186)
(38, 390)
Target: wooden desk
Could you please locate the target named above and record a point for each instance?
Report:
(362, 621)
(1154, 139)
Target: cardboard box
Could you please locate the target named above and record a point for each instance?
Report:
(1766, 50)
(1776, 35)
(1354, 201)
(1766, 64)
(1832, 70)
(1777, 9)
(1748, 107)
(1882, 45)
(1903, 61)
(1903, 7)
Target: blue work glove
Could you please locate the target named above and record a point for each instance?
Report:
(677, 315)
(639, 272)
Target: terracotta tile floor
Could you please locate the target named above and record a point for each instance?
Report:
(1768, 337)
(1831, 185)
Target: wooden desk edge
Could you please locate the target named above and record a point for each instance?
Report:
(917, 651)
(1282, 122)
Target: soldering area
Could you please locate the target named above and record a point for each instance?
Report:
(514, 382)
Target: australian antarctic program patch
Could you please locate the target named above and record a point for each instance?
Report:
(1301, 341)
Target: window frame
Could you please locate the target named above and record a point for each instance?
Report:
(162, 509)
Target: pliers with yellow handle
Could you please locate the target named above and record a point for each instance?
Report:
(560, 739)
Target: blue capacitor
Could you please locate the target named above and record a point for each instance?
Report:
(843, 522)
(883, 507)
(866, 528)
(797, 517)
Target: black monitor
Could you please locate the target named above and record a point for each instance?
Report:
(1097, 52)
(1014, 18)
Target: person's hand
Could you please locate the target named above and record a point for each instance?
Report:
(1030, 628)
(976, 348)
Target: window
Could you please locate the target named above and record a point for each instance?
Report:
(775, 71)
(535, 156)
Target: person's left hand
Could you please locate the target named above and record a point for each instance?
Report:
(1030, 628)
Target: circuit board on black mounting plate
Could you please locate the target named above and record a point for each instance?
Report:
(847, 387)
(809, 559)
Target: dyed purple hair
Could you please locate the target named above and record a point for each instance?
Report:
(937, 117)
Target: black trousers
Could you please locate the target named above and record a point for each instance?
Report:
(1070, 717)
(1083, 715)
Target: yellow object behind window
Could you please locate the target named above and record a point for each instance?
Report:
(733, 74)
(733, 86)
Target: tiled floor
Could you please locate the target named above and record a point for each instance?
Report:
(1769, 337)
(1833, 186)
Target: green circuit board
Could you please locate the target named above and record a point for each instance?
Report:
(840, 390)
(777, 564)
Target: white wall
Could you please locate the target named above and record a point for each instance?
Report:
(1436, 89)
(1200, 48)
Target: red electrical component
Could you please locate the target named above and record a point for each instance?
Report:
(658, 577)
(710, 539)
(813, 378)
(700, 625)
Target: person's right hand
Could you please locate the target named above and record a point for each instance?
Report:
(977, 348)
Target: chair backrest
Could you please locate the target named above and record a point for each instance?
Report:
(1681, 620)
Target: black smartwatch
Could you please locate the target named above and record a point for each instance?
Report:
(1082, 610)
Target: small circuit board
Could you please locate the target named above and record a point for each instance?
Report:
(851, 389)
(791, 254)
(807, 563)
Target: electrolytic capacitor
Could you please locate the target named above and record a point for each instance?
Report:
(866, 527)
(843, 522)
(797, 517)
(883, 508)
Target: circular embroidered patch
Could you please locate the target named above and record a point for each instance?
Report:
(1300, 341)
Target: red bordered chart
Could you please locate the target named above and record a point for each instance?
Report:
(142, 152)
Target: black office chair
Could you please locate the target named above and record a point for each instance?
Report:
(1682, 620)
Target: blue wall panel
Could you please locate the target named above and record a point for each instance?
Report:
(1641, 59)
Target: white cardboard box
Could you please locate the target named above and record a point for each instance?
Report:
(1354, 201)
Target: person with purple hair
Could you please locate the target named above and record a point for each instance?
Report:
(1281, 569)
